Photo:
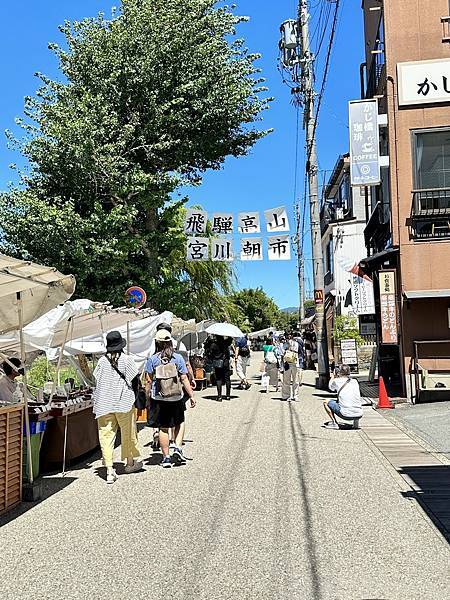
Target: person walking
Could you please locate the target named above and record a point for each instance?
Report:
(272, 357)
(242, 359)
(114, 397)
(167, 375)
(219, 352)
(293, 364)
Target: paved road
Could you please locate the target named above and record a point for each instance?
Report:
(430, 421)
(272, 506)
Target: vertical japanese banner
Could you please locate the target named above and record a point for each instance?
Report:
(222, 223)
(251, 249)
(364, 143)
(248, 222)
(195, 221)
(197, 248)
(363, 300)
(276, 219)
(279, 247)
(222, 250)
(388, 303)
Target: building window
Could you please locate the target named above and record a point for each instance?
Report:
(432, 159)
(345, 196)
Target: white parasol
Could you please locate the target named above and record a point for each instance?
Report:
(225, 330)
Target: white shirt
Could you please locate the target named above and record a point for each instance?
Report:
(350, 397)
(7, 389)
(112, 394)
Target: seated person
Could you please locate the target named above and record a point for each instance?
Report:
(348, 405)
(7, 383)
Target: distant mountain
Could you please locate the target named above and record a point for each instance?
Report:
(290, 310)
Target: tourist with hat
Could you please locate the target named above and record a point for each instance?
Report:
(167, 375)
(114, 397)
(12, 369)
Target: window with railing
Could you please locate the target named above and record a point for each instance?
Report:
(431, 196)
(377, 67)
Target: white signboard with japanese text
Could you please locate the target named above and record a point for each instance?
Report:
(276, 219)
(423, 82)
(349, 354)
(195, 221)
(221, 250)
(222, 223)
(279, 247)
(363, 299)
(251, 249)
(249, 222)
(197, 248)
(364, 143)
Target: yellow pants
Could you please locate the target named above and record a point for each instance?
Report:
(108, 426)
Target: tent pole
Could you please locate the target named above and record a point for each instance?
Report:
(60, 357)
(128, 337)
(25, 388)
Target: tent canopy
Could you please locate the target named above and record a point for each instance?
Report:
(40, 288)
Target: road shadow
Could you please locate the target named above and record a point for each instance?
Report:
(432, 491)
(301, 459)
(49, 486)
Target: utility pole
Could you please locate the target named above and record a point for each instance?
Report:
(307, 70)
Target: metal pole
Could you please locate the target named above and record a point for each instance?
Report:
(128, 337)
(313, 170)
(25, 388)
(300, 267)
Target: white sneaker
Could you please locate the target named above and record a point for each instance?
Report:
(111, 476)
(136, 466)
(331, 425)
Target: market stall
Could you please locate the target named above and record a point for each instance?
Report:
(27, 291)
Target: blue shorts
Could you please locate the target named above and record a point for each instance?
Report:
(335, 408)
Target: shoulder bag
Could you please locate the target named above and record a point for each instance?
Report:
(140, 400)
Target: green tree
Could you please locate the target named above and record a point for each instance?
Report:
(259, 310)
(148, 101)
(346, 328)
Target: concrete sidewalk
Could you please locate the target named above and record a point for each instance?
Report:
(272, 506)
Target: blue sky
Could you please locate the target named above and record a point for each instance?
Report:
(265, 178)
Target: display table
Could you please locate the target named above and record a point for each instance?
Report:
(82, 437)
(11, 424)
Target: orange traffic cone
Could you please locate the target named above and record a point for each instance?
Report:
(383, 398)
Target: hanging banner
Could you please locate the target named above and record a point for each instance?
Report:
(251, 249)
(195, 221)
(363, 300)
(364, 143)
(197, 248)
(222, 223)
(388, 304)
(248, 222)
(276, 219)
(279, 248)
(221, 250)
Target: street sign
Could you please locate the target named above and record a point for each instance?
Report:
(318, 296)
(364, 143)
(349, 354)
(363, 300)
(135, 296)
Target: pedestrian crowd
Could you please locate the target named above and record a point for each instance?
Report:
(166, 389)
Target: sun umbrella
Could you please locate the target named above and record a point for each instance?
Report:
(225, 329)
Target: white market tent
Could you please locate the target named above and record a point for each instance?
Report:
(38, 288)
(261, 333)
(27, 291)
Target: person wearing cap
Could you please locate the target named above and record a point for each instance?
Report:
(167, 411)
(114, 397)
(8, 385)
(167, 327)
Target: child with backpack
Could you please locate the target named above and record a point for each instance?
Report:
(167, 375)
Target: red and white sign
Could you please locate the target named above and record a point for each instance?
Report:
(388, 303)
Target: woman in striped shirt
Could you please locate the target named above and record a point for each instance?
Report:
(114, 398)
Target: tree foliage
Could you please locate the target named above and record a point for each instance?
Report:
(147, 102)
(346, 328)
(258, 309)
